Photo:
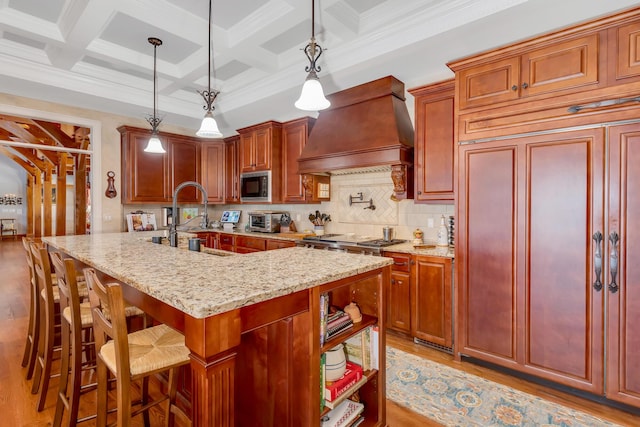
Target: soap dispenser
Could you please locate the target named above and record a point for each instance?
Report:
(443, 233)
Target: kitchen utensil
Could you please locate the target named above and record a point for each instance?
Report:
(387, 233)
(156, 239)
(194, 244)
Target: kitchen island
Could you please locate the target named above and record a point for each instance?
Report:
(251, 321)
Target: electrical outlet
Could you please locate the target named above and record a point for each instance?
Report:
(107, 217)
(430, 222)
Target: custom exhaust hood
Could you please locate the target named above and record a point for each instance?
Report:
(367, 126)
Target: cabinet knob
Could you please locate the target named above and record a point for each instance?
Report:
(514, 88)
(525, 85)
(393, 281)
(419, 192)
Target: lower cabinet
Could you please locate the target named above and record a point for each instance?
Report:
(399, 293)
(419, 297)
(246, 244)
(432, 292)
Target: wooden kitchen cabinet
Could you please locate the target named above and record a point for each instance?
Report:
(525, 265)
(624, 49)
(279, 244)
(226, 242)
(623, 305)
(542, 69)
(232, 170)
(145, 176)
(261, 147)
(184, 163)
(152, 177)
(434, 148)
(399, 293)
(294, 138)
(213, 170)
(432, 304)
(247, 244)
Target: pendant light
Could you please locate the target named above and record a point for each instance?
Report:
(209, 127)
(154, 145)
(312, 96)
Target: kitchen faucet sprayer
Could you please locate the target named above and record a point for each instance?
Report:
(173, 232)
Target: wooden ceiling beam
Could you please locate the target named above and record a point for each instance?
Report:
(32, 170)
(26, 136)
(56, 134)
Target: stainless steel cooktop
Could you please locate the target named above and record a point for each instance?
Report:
(348, 243)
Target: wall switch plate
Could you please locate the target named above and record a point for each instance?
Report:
(430, 222)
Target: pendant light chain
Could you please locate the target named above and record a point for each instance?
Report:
(155, 120)
(209, 95)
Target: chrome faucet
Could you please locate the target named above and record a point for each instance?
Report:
(173, 232)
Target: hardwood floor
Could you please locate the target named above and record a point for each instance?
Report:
(17, 404)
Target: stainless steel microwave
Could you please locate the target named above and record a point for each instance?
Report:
(255, 186)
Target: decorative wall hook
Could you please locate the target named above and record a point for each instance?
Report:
(111, 189)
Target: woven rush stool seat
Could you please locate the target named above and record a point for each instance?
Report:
(130, 357)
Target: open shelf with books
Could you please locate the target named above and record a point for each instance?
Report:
(362, 394)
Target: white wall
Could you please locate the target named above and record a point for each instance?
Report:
(13, 180)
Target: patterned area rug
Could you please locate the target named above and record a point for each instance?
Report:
(455, 398)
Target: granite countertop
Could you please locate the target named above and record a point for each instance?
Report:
(201, 284)
(406, 247)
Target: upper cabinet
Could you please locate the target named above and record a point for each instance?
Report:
(624, 43)
(152, 177)
(260, 147)
(434, 142)
(232, 170)
(298, 188)
(553, 68)
(213, 169)
(573, 77)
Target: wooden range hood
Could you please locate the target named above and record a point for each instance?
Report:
(366, 126)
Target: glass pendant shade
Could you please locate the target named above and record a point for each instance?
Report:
(154, 145)
(312, 97)
(209, 127)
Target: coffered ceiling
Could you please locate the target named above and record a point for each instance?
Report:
(94, 53)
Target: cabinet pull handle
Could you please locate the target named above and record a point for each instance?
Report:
(400, 264)
(525, 85)
(597, 285)
(393, 281)
(514, 88)
(605, 103)
(613, 261)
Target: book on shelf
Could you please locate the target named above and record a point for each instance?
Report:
(348, 393)
(332, 332)
(375, 360)
(324, 314)
(334, 389)
(323, 365)
(358, 348)
(338, 320)
(343, 414)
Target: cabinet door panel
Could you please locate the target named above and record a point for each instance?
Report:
(147, 173)
(560, 66)
(399, 302)
(434, 146)
(564, 313)
(262, 150)
(185, 157)
(626, 51)
(489, 83)
(232, 173)
(213, 170)
(246, 152)
(487, 225)
(623, 355)
(294, 138)
(432, 300)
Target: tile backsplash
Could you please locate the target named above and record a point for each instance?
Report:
(404, 216)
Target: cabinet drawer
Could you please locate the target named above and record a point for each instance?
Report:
(251, 243)
(401, 262)
(279, 244)
(226, 239)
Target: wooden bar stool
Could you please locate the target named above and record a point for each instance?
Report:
(131, 357)
(33, 331)
(49, 310)
(77, 333)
